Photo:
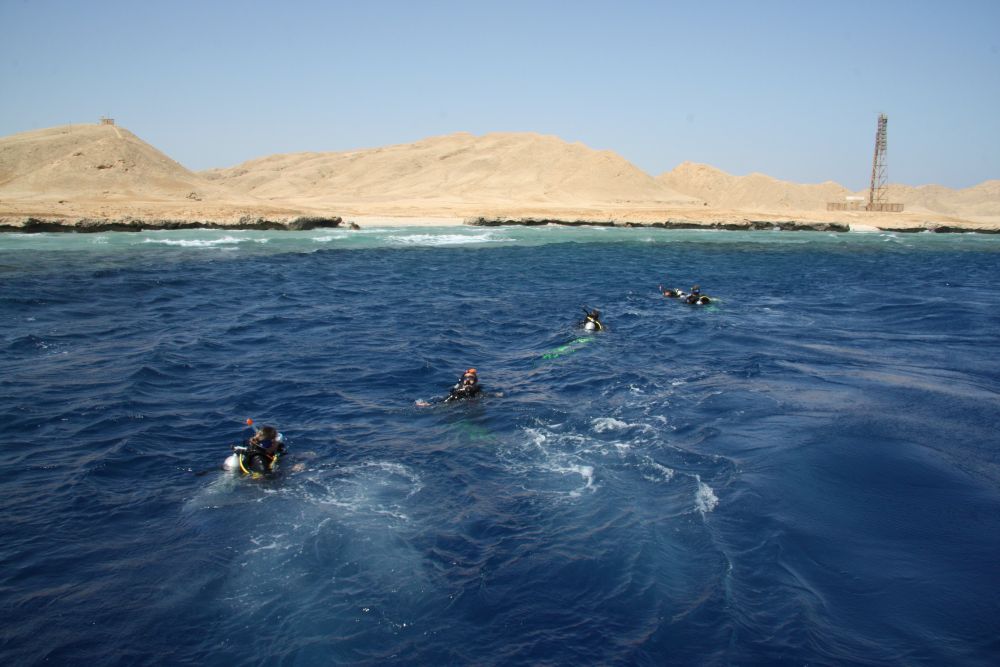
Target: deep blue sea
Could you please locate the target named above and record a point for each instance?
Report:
(805, 472)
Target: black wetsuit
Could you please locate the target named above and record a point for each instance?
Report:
(257, 458)
(695, 299)
(461, 391)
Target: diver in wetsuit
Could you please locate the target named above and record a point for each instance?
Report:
(262, 450)
(467, 387)
(696, 297)
(592, 321)
(671, 293)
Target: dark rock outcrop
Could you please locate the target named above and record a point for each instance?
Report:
(92, 225)
(736, 225)
(942, 229)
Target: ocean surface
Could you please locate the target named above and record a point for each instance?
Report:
(805, 472)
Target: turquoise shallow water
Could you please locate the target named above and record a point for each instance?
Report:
(805, 472)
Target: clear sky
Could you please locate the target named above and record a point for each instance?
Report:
(791, 89)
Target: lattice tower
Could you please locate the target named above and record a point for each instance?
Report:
(877, 196)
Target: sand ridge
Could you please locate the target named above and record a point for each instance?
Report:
(494, 169)
(106, 172)
(93, 160)
(759, 192)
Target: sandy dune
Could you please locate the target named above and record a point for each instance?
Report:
(758, 192)
(978, 203)
(101, 171)
(106, 172)
(94, 161)
(458, 169)
(753, 192)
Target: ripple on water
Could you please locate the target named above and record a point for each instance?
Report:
(765, 481)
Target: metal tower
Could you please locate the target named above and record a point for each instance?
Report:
(877, 195)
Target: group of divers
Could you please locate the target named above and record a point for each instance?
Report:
(258, 456)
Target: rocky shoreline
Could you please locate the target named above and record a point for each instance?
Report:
(736, 225)
(32, 225)
(941, 229)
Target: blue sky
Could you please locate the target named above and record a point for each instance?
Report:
(790, 89)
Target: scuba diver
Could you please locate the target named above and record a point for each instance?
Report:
(696, 297)
(671, 293)
(259, 455)
(592, 321)
(466, 387)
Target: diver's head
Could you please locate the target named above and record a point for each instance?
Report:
(695, 290)
(267, 433)
(470, 377)
(596, 314)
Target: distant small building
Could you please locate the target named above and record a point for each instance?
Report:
(849, 205)
(107, 121)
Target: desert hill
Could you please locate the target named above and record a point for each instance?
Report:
(495, 169)
(104, 172)
(94, 161)
(758, 192)
(753, 192)
(980, 202)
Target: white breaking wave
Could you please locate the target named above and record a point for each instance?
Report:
(329, 237)
(604, 424)
(201, 243)
(705, 499)
(444, 239)
(655, 472)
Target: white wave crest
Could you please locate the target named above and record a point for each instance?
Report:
(657, 472)
(445, 239)
(602, 424)
(200, 243)
(705, 499)
(329, 237)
